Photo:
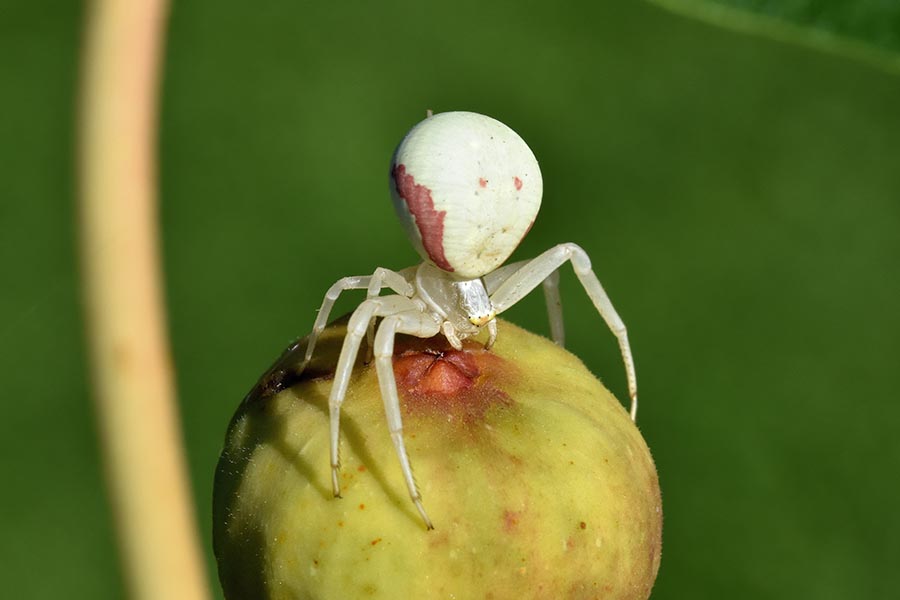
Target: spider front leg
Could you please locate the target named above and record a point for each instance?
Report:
(372, 283)
(494, 279)
(519, 283)
(420, 325)
(492, 334)
(395, 281)
(356, 330)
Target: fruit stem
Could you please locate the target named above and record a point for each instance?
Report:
(134, 391)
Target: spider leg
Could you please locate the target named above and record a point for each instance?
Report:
(517, 285)
(377, 282)
(492, 334)
(554, 308)
(421, 325)
(495, 279)
(356, 330)
(450, 333)
(394, 281)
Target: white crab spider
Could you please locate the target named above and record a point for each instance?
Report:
(467, 189)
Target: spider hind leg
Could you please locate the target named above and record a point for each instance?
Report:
(356, 331)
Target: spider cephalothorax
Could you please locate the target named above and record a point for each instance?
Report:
(467, 189)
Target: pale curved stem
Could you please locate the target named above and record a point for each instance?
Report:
(132, 375)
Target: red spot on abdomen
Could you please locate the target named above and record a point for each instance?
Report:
(482, 182)
(429, 221)
(517, 182)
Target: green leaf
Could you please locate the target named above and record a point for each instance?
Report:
(865, 29)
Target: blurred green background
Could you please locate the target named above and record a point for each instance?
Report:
(740, 198)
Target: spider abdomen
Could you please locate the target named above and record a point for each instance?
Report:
(467, 189)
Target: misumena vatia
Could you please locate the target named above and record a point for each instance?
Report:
(467, 189)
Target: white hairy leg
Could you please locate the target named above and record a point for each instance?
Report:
(420, 325)
(492, 334)
(525, 279)
(381, 278)
(554, 308)
(493, 280)
(356, 330)
(450, 333)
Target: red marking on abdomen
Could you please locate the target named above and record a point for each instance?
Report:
(518, 183)
(482, 182)
(429, 221)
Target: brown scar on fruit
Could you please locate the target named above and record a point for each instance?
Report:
(430, 374)
(463, 385)
(511, 520)
(286, 371)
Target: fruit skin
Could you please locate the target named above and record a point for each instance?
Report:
(538, 483)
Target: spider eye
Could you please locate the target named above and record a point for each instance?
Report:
(480, 320)
(467, 189)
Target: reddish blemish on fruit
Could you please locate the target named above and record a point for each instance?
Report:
(462, 385)
(430, 222)
(375, 541)
(517, 182)
(482, 182)
(440, 539)
(511, 520)
(438, 372)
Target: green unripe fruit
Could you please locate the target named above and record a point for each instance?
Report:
(538, 483)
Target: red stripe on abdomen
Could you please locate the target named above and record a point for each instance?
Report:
(429, 221)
